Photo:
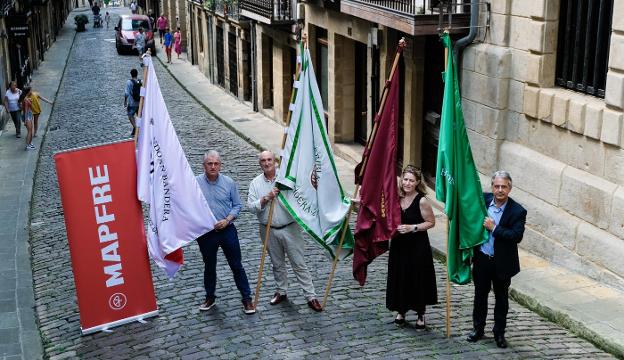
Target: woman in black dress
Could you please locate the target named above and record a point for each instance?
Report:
(411, 275)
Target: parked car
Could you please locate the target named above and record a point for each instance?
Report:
(127, 28)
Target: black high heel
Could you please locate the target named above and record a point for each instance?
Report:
(399, 319)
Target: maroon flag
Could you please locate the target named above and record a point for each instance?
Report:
(380, 210)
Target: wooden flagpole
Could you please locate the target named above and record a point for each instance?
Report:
(368, 147)
(267, 231)
(448, 281)
(144, 85)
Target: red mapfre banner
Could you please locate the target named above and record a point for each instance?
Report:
(106, 235)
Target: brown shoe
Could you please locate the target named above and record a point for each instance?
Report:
(207, 305)
(248, 307)
(278, 298)
(315, 305)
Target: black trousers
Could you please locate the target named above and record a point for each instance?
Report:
(484, 275)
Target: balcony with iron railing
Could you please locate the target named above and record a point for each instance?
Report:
(413, 17)
(227, 8)
(272, 12)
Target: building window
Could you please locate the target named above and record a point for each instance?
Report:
(583, 45)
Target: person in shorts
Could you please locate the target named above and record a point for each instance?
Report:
(139, 41)
(168, 44)
(28, 117)
(130, 103)
(34, 98)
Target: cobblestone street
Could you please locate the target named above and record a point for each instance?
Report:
(89, 110)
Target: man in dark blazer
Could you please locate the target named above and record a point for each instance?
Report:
(496, 261)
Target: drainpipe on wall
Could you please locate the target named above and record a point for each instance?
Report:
(468, 39)
(254, 64)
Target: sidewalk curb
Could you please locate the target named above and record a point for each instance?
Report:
(212, 113)
(563, 319)
(558, 317)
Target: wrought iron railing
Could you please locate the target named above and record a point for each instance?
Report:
(275, 10)
(228, 8)
(583, 45)
(419, 7)
(5, 6)
(231, 9)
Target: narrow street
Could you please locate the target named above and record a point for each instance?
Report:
(89, 110)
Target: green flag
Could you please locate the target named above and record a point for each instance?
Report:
(307, 177)
(457, 181)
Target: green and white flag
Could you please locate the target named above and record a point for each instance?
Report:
(307, 177)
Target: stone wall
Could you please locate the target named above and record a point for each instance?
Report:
(564, 149)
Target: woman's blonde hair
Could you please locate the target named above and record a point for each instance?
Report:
(420, 188)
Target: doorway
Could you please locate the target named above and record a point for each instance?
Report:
(220, 57)
(432, 107)
(360, 116)
(247, 70)
(233, 63)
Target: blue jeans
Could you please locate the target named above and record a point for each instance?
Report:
(209, 244)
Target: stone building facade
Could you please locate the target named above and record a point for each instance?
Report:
(563, 146)
(27, 30)
(560, 139)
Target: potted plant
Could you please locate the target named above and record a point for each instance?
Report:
(209, 5)
(80, 21)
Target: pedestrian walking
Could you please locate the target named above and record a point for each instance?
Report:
(34, 98)
(107, 19)
(139, 41)
(177, 45)
(162, 24)
(12, 106)
(133, 7)
(496, 261)
(168, 44)
(152, 21)
(27, 117)
(411, 283)
(132, 96)
(285, 237)
(222, 195)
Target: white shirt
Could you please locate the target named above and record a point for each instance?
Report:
(13, 99)
(259, 187)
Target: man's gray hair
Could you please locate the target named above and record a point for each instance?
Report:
(266, 150)
(212, 153)
(502, 174)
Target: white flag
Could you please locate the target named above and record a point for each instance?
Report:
(179, 213)
(316, 199)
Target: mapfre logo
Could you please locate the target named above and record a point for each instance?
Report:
(117, 301)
